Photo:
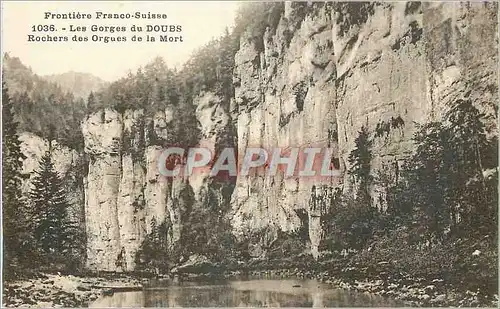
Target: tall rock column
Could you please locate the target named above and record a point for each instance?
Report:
(125, 195)
(102, 132)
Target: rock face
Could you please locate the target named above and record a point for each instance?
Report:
(325, 71)
(67, 162)
(125, 193)
(320, 76)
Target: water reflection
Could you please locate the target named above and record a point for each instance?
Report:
(251, 293)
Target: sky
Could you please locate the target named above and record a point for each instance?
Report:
(200, 20)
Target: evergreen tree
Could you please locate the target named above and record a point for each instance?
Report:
(445, 182)
(91, 102)
(471, 193)
(154, 254)
(360, 160)
(186, 131)
(432, 170)
(14, 232)
(53, 231)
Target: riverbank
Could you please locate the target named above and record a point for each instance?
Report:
(465, 287)
(61, 291)
(416, 292)
(53, 290)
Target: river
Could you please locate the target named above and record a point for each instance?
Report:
(244, 293)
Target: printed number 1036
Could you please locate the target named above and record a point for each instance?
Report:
(41, 28)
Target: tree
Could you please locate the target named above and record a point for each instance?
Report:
(53, 231)
(256, 17)
(354, 224)
(38, 103)
(14, 232)
(360, 160)
(444, 182)
(431, 170)
(154, 253)
(185, 126)
(91, 102)
(471, 155)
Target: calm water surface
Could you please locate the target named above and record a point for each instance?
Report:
(245, 293)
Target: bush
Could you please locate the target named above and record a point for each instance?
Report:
(351, 225)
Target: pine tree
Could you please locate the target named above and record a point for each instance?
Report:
(52, 230)
(470, 148)
(91, 102)
(468, 137)
(14, 232)
(154, 253)
(432, 175)
(446, 173)
(360, 160)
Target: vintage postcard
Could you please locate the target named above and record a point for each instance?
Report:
(249, 154)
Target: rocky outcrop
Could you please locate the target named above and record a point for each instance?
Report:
(327, 70)
(286, 98)
(67, 162)
(125, 193)
(324, 71)
(126, 196)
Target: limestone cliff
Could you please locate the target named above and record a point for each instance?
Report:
(124, 190)
(326, 70)
(68, 163)
(316, 77)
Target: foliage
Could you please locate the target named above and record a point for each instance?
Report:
(15, 236)
(152, 88)
(42, 107)
(207, 231)
(467, 263)
(384, 127)
(442, 208)
(442, 202)
(134, 140)
(286, 245)
(255, 18)
(444, 186)
(441, 218)
(300, 93)
(57, 238)
(352, 224)
(208, 235)
(352, 14)
(360, 160)
(204, 232)
(155, 255)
